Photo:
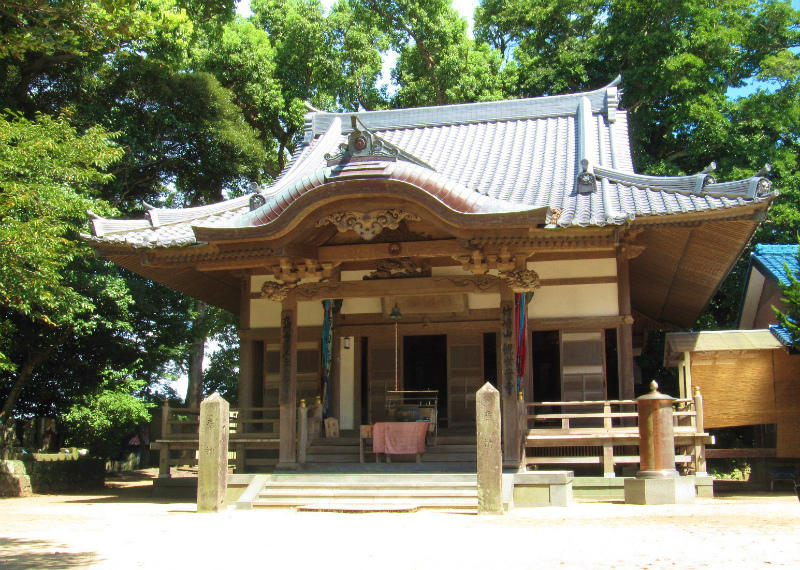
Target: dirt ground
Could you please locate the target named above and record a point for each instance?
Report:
(125, 527)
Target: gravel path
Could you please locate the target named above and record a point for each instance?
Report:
(126, 528)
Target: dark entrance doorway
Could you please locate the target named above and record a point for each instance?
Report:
(425, 366)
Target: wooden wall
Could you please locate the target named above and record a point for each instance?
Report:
(736, 386)
(787, 402)
(752, 388)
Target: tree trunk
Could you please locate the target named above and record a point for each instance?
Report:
(32, 360)
(194, 391)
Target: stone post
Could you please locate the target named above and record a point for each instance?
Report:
(490, 458)
(302, 432)
(212, 460)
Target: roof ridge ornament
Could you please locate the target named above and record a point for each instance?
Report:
(587, 181)
(363, 144)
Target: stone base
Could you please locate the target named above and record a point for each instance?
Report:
(543, 488)
(670, 491)
(14, 480)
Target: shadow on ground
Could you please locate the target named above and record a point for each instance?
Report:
(131, 487)
(20, 554)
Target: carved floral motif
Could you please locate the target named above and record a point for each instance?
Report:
(274, 291)
(521, 280)
(398, 268)
(368, 224)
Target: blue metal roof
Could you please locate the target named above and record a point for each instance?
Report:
(772, 260)
(782, 334)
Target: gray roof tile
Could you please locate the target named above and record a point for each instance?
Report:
(524, 152)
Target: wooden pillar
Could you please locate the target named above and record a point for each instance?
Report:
(625, 330)
(508, 380)
(287, 389)
(246, 356)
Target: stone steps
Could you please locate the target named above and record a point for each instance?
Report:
(356, 493)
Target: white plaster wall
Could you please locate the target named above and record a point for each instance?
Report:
(264, 313)
(256, 281)
(483, 300)
(755, 286)
(606, 267)
(347, 385)
(574, 301)
(310, 314)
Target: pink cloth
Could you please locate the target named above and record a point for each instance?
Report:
(399, 438)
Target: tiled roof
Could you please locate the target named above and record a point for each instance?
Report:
(773, 260)
(569, 153)
(783, 335)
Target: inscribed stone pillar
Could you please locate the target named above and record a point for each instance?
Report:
(287, 389)
(212, 459)
(508, 379)
(490, 459)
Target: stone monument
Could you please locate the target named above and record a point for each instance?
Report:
(212, 459)
(490, 458)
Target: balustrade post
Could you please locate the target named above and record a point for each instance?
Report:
(699, 446)
(608, 444)
(163, 450)
(302, 432)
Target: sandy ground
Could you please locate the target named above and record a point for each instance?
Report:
(126, 528)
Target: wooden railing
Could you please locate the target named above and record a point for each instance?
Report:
(253, 431)
(606, 433)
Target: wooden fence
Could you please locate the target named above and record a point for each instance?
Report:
(606, 433)
(254, 437)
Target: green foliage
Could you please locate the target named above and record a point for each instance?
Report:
(47, 174)
(437, 64)
(103, 421)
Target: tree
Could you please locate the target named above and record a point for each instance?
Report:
(48, 173)
(126, 66)
(104, 420)
(437, 64)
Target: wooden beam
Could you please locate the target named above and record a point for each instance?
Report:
(418, 286)
(373, 251)
(414, 286)
(575, 323)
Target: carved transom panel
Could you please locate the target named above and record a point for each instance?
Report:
(368, 224)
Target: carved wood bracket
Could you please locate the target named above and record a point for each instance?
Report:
(521, 280)
(478, 262)
(275, 291)
(368, 224)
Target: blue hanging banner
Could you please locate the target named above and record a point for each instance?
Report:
(327, 339)
(521, 330)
